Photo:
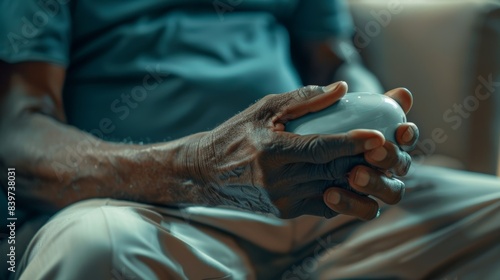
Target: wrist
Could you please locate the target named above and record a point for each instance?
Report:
(219, 188)
(192, 157)
(158, 173)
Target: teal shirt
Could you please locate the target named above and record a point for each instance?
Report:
(154, 70)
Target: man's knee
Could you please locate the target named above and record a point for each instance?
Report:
(83, 231)
(80, 240)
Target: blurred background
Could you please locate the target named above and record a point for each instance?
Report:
(447, 52)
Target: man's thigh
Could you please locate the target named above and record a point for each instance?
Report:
(111, 239)
(447, 223)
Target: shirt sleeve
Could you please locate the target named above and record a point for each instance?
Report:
(321, 19)
(35, 30)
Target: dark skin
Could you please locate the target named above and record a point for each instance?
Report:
(248, 162)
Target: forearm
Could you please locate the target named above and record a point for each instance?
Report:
(57, 165)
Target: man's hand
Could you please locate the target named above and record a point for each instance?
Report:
(372, 178)
(251, 161)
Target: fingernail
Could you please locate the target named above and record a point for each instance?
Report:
(408, 135)
(373, 143)
(332, 87)
(362, 178)
(378, 154)
(333, 198)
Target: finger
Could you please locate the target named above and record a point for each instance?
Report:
(389, 157)
(325, 148)
(403, 97)
(407, 136)
(335, 170)
(310, 206)
(307, 173)
(371, 182)
(313, 206)
(345, 202)
(309, 99)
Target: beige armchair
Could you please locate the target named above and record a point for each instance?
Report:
(448, 54)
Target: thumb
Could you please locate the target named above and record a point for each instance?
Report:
(310, 99)
(402, 96)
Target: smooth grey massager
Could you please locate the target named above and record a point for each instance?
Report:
(357, 110)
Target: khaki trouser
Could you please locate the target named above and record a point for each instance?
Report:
(446, 227)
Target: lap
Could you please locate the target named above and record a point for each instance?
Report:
(445, 218)
(108, 239)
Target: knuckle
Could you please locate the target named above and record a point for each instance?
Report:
(393, 155)
(404, 164)
(266, 144)
(398, 193)
(304, 93)
(341, 166)
(318, 149)
(267, 101)
(339, 145)
(301, 94)
(266, 107)
(328, 148)
(261, 176)
(392, 160)
(371, 210)
(329, 171)
(345, 142)
(268, 150)
(269, 98)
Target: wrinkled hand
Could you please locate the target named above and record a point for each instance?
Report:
(251, 162)
(372, 178)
